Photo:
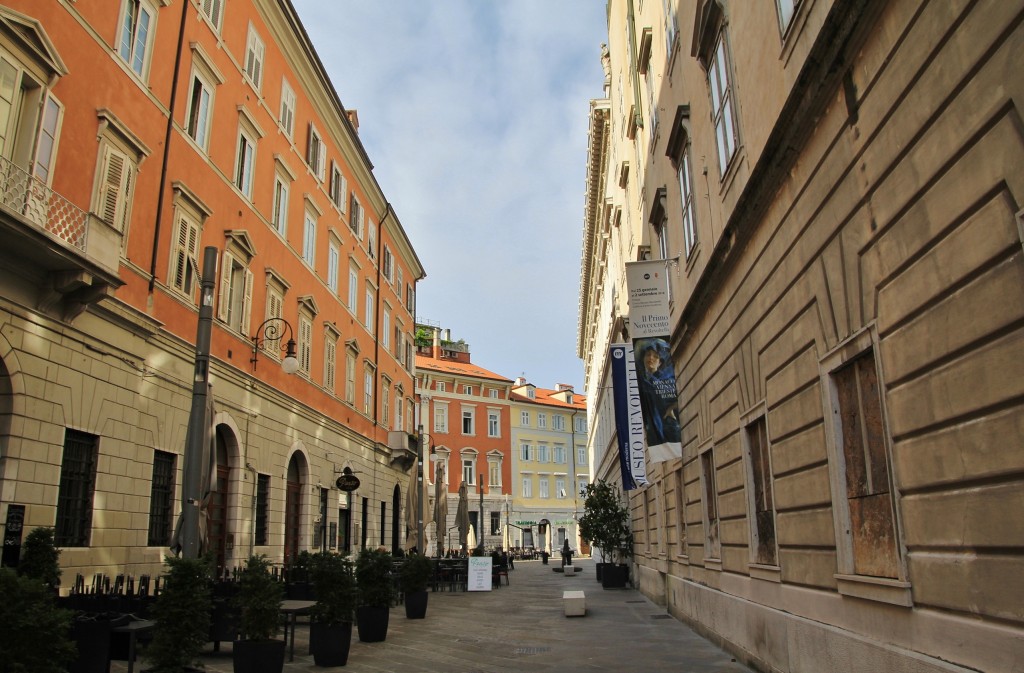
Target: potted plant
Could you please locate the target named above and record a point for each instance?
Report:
(35, 636)
(259, 603)
(606, 523)
(40, 558)
(330, 633)
(182, 613)
(375, 591)
(413, 577)
(298, 585)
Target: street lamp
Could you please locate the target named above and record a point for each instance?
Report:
(274, 330)
(480, 542)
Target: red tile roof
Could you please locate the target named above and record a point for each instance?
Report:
(455, 368)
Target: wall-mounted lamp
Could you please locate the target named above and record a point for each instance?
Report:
(273, 330)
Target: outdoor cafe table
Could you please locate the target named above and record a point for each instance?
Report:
(133, 629)
(291, 610)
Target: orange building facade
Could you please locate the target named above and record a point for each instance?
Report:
(465, 412)
(136, 134)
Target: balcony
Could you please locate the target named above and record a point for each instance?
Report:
(68, 258)
(404, 448)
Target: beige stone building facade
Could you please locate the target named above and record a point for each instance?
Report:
(134, 134)
(836, 190)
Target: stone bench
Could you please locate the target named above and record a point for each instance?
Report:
(574, 603)
(569, 571)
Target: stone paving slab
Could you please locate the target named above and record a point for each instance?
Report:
(522, 628)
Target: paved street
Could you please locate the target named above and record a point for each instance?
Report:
(521, 627)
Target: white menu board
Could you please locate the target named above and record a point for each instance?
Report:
(479, 573)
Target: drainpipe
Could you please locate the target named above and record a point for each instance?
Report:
(167, 147)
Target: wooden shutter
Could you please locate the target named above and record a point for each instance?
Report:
(227, 262)
(246, 318)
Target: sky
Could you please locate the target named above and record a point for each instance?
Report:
(474, 114)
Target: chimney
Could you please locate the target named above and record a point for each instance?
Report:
(562, 387)
(436, 354)
(520, 381)
(353, 119)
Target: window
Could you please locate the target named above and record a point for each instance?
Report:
(367, 390)
(350, 377)
(581, 485)
(580, 424)
(542, 420)
(720, 85)
(287, 117)
(161, 500)
(200, 109)
(760, 495)
(355, 217)
(787, 8)
(234, 303)
(865, 510)
(524, 452)
(116, 185)
(494, 473)
(254, 52)
(371, 238)
(385, 404)
(467, 389)
(440, 418)
(353, 286)
(399, 283)
(245, 162)
(262, 509)
(305, 345)
(136, 35)
(669, 11)
(493, 393)
(339, 187)
(527, 487)
(680, 516)
(468, 416)
(385, 327)
(558, 454)
(524, 418)
(558, 422)
(330, 360)
(315, 152)
(309, 239)
(441, 387)
(542, 453)
(581, 455)
(560, 488)
(410, 296)
(544, 491)
(184, 272)
(685, 177)
(495, 523)
(74, 497)
(333, 260)
(388, 265)
(469, 470)
(399, 410)
(273, 309)
(370, 303)
(213, 10)
(279, 217)
(493, 424)
(712, 543)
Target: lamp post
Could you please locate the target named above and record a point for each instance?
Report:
(191, 498)
(271, 331)
(421, 545)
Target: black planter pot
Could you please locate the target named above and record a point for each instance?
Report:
(330, 643)
(258, 656)
(416, 604)
(372, 622)
(615, 576)
(600, 570)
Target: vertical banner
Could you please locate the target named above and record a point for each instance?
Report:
(655, 371)
(629, 425)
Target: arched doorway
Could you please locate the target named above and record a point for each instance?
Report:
(293, 503)
(219, 498)
(544, 533)
(396, 521)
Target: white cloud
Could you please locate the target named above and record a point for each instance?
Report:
(475, 117)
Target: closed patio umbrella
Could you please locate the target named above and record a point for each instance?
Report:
(462, 515)
(440, 505)
(412, 509)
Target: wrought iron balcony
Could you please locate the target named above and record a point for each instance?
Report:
(40, 205)
(68, 258)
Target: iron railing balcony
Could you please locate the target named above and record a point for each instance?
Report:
(67, 257)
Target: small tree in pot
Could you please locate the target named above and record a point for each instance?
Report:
(259, 602)
(331, 629)
(606, 523)
(374, 584)
(413, 577)
(182, 612)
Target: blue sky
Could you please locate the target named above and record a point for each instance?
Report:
(474, 114)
